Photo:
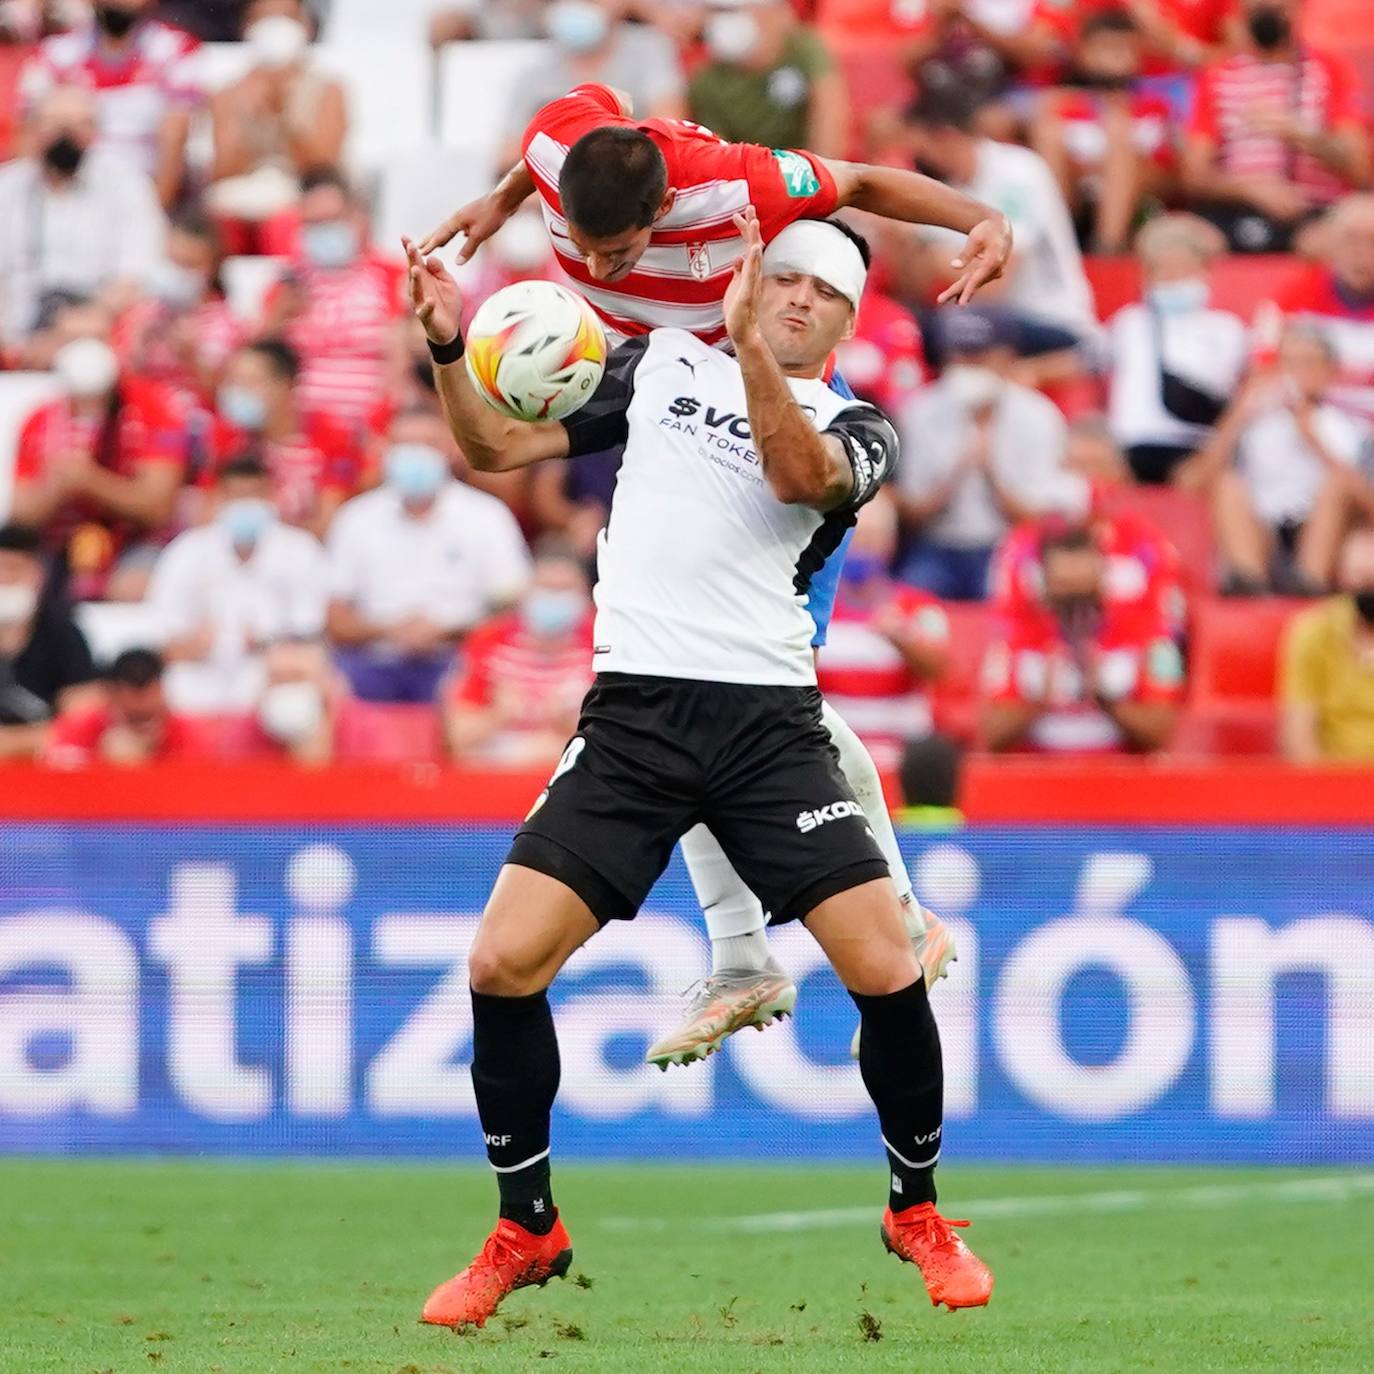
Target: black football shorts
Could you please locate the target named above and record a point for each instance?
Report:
(653, 756)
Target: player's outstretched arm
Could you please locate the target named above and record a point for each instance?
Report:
(802, 467)
(478, 220)
(489, 441)
(916, 199)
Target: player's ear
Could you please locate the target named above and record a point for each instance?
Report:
(666, 204)
(851, 324)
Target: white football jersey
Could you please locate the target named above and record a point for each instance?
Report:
(702, 572)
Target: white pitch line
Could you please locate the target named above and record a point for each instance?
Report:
(1321, 1188)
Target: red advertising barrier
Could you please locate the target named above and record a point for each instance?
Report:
(1115, 791)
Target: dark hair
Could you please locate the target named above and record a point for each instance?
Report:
(941, 106)
(1107, 21)
(280, 356)
(21, 539)
(331, 177)
(135, 668)
(856, 238)
(1059, 534)
(613, 179)
(245, 465)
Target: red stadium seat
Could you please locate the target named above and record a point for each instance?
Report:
(383, 732)
(956, 694)
(1239, 283)
(1184, 518)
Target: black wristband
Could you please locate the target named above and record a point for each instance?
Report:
(450, 352)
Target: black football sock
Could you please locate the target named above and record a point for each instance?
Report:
(515, 1072)
(902, 1068)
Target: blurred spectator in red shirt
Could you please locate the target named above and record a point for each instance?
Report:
(134, 727)
(1277, 133)
(184, 332)
(515, 702)
(280, 121)
(145, 77)
(1179, 34)
(1077, 671)
(1107, 140)
(1174, 358)
(1335, 296)
(340, 307)
(99, 470)
(884, 361)
(315, 462)
(886, 644)
(1283, 473)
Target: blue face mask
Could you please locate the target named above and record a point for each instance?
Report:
(1179, 297)
(415, 470)
(861, 568)
(576, 25)
(329, 244)
(548, 613)
(243, 407)
(245, 520)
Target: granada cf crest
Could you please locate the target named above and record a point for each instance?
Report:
(699, 260)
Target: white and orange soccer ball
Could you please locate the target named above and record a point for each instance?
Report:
(535, 351)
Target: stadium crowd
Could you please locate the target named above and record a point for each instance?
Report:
(243, 533)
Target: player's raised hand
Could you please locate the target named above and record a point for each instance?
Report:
(742, 295)
(434, 295)
(477, 221)
(983, 259)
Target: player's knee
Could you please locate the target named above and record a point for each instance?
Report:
(889, 970)
(501, 970)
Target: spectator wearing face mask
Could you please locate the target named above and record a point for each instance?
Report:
(524, 674)
(278, 123)
(1175, 359)
(98, 471)
(887, 643)
(73, 219)
(45, 664)
(1277, 133)
(300, 711)
(144, 76)
(414, 565)
(224, 592)
(184, 332)
(1076, 671)
(591, 40)
(1282, 470)
(1326, 681)
(134, 727)
(769, 79)
(314, 462)
(342, 306)
(979, 452)
(1336, 296)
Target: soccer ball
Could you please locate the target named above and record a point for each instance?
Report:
(535, 351)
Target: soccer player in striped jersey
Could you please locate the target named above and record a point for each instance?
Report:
(641, 215)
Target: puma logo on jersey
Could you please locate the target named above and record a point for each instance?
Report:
(836, 811)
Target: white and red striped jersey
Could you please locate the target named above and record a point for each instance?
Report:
(342, 334)
(680, 281)
(134, 90)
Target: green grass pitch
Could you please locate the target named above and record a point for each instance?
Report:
(228, 1268)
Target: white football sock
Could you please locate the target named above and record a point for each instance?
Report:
(857, 765)
(734, 916)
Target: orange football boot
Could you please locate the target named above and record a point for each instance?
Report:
(953, 1274)
(512, 1258)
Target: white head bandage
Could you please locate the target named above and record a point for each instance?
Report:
(818, 249)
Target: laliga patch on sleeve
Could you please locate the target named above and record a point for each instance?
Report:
(798, 175)
(1165, 663)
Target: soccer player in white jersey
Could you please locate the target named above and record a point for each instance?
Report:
(640, 214)
(705, 709)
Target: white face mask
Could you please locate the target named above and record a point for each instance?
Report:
(86, 367)
(972, 386)
(291, 711)
(730, 36)
(277, 41)
(18, 602)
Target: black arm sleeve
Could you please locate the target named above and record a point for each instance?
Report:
(602, 422)
(871, 443)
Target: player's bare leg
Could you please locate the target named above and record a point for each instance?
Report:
(863, 936)
(746, 986)
(531, 925)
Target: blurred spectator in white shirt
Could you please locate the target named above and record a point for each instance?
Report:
(1283, 472)
(414, 564)
(1174, 359)
(979, 453)
(1044, 291)
(73, 219)
(224, 591)
(283, 119)
(144, 76)
(491, 19)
